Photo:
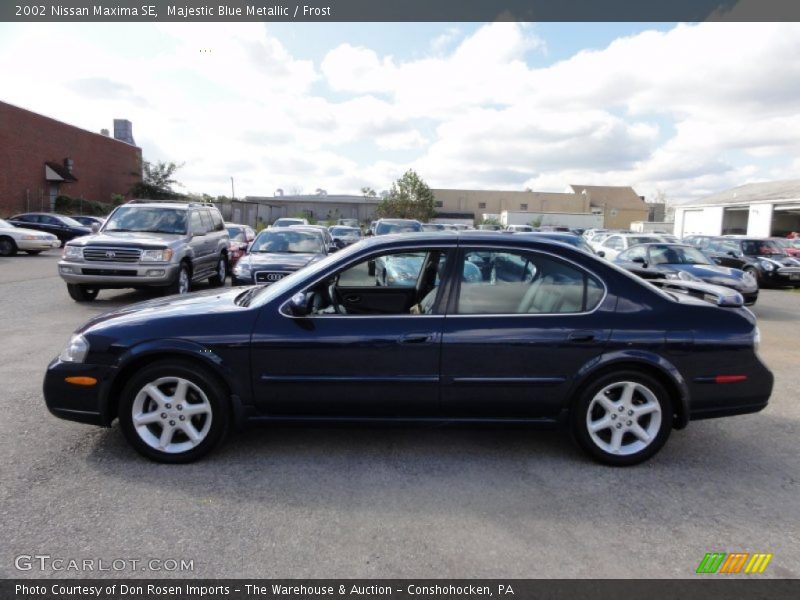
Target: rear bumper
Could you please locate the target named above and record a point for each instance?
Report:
(81, 403)
(710, 399)
(113, 274)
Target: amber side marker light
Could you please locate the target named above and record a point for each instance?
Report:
(81, 380)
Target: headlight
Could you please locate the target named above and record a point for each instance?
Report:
(76, 350)
(156, 255)
(30, 237)
(683, 276)
(241, 270)
(766, 265)
(72, 252)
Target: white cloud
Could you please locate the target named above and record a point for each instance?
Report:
(690, 111)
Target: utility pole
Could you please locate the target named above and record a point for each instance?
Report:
(233, 195)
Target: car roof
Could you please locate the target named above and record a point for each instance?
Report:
(473, 236)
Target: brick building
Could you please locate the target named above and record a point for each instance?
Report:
(41, 158)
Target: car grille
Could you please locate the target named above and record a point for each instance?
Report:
(126, 255)
(269, 276)
(110, 272)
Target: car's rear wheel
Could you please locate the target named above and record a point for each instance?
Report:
(218, 278)
(7, 246)
(622, 418)
(82, 293)
(173, 412)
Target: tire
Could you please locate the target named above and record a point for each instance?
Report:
(82, 293)
(604, 403)
(221, 273)
(155, 393)
(33, 252)
(183, 281)
(8, 247)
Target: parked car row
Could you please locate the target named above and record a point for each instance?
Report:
(473, 327)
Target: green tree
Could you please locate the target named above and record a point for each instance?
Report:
(157, 181)
(409, 198)
(368, 192)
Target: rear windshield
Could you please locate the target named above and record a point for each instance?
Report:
(387, 227)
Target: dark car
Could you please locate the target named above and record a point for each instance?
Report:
(574, 340)
(278, 251)
(241, 236)
(685, 262)
(764, 259)
(64, 228)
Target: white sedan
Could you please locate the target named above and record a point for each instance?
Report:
(31, 241)
(615, 243)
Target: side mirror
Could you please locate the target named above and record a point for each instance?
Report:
(332, 248)
(297, 305)
(732, 253)
(601, 253)
(639, 259)
(95, 227)
(369, 233)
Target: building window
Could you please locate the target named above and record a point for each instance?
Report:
(438, 204)
(482, 205)
(523, 206)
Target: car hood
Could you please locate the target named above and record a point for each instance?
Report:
(128, 238)
(23, 231)
(779, 260)
(716, 275)
(188, 307)
(279, 261)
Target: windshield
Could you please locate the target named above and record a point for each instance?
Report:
(677, 255)
(346, 231)
(147, 219)
(386, 227)
(756, 247)
(290, 242)
(236, 234)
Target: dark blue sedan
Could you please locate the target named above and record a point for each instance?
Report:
(547, 335)
(685, 262)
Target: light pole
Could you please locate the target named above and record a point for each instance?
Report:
(233, 195)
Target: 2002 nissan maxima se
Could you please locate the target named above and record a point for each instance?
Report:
(561, 338)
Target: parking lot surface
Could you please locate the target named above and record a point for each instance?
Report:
(281, 501)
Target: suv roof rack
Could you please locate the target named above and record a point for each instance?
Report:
(173, 201)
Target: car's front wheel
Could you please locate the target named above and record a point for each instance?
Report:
(7, 246)
(173, 412)
(622, 418)
(82, 293)
(183, 281)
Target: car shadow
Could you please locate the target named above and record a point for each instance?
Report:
(453, 467)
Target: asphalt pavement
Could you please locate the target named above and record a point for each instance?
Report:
(279, 501)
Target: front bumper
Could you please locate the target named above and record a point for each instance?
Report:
(39, 245)
(115, 274)
(81, 403)
(783, 276)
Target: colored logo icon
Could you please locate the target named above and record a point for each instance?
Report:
(735, 562)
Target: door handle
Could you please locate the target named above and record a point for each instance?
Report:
(352, 298)
(416, 338)
(582, 336)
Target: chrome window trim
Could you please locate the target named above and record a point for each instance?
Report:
(480, 244)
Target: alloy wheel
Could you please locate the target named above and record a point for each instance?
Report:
(623, 418)
(171, 414)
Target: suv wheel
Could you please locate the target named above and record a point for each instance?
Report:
(183, 281)
(173, 412)
(622, 418)
(82, 293)
(218, 278)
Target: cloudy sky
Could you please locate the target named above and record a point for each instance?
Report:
(684, 110)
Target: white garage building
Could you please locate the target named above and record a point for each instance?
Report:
(756, 209)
